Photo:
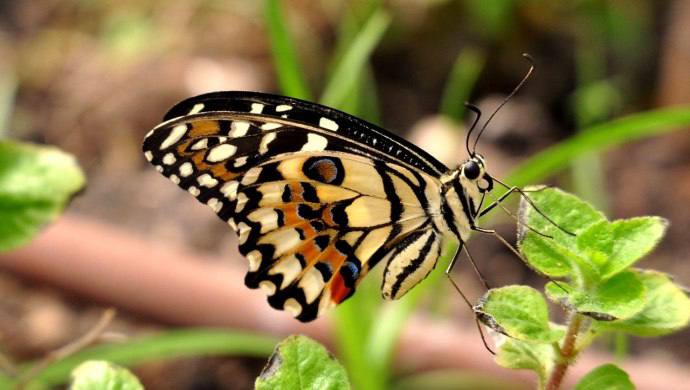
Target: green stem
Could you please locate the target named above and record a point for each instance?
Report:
(567, 352)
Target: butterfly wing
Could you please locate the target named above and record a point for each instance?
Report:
(314, 205)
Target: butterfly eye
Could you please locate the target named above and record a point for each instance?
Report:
(471, 170)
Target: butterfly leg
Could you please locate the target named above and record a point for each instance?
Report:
(515, 251)
(464, 297)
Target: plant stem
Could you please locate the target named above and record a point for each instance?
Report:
(567, 352)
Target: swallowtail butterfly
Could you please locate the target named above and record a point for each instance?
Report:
(316, 196)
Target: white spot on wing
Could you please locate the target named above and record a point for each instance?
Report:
(241, 202)
(174, 179)
(215, 204)
(243, 232)
(148, 155)
(292, 306)
(257, 108)
(186, 169)
(251, 176)
(267, 287)
(197, 108)
(239, 161)
(169, 159)
(254, 258)
(289, 267)
(283, 107)
(312, 284)
(194, 191)
(221, 152)
(238, 128)
(159, 169)
(328, 124)
(271, 126)
(315, 143)
(229, 189)
(201, 144)
(267, 139)
(207, 180)
(175, 135)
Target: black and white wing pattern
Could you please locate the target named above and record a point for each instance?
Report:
(316, 196)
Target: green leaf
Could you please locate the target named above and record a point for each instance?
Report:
(461, 80)
(301, 363)
(596, 242)
(558, 254)
(666, 309)
(521, 355)
(98, 374)
(608, 377)
(165, 345)
(598, 138)
(36, 182)
(347, 71)
(632, 240)
(282, 48)
(620, 297)
(519, 312)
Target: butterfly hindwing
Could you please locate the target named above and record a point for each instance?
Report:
(314, 210)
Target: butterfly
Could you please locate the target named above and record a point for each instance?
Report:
(317, 197)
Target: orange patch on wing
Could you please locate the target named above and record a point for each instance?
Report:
(204, 128)
(338, 289)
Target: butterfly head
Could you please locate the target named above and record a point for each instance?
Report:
(473, 171)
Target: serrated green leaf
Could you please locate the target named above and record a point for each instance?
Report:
(620, 297)
(521, 355)
(596, 242)
(301, 363)
(608, 377)
(521, 312)
(566, 210)
(666, 309)
(633, 239)
(36, 182)
(546, 256)
(99, 374)
(549, 254)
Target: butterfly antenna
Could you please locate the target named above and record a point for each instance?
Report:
(515, 90)
(478, 113)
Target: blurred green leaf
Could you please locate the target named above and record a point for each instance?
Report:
(36, 183)
(168, 345)
(462, 78)
(608, 377)
(633, 239)
(301, 363)
(521, 312)
(666, 309)
(619, 297)
(345, 74)
(283, 50)
(455, 380)
(522, 355)
(599, 138)
(98, 374)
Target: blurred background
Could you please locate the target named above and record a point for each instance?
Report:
(93, 77)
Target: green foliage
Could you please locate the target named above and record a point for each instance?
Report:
(98, 374)
(299, 362)
(521, 312)
(593, 257)
(36, 182)
(165, 345)
(608, 376)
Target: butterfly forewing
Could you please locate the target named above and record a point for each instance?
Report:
(317, 197)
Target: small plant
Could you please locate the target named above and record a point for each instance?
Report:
(597, 287)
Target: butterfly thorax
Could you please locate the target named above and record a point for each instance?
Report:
(462, 195)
